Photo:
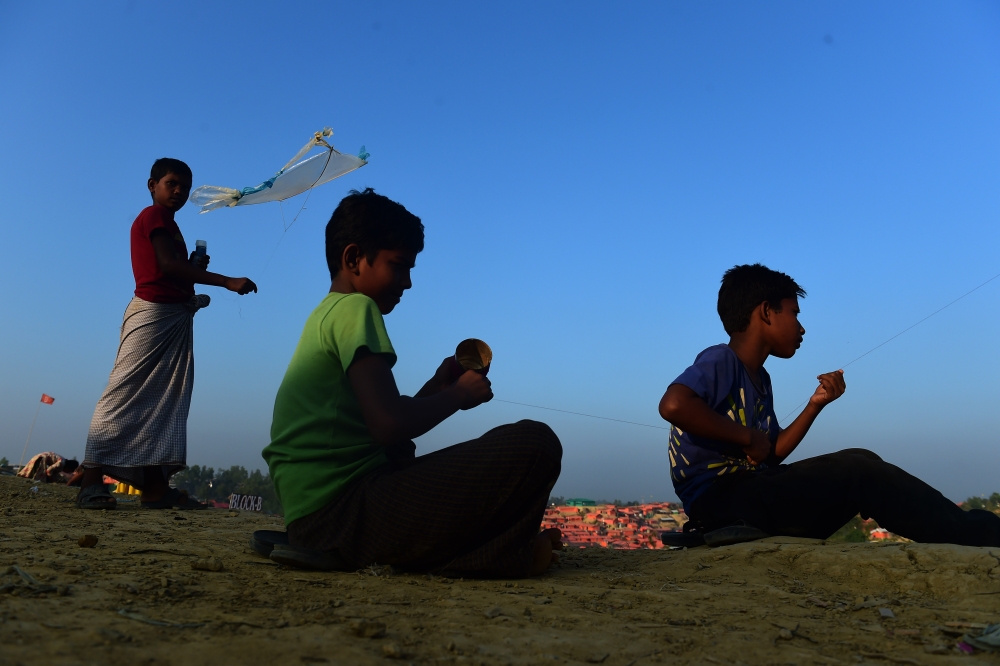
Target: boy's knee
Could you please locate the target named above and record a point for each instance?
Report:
(542, 437)
(864, 453)
(848, 468)
(860, 469)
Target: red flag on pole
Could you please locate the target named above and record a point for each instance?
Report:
(48, 400)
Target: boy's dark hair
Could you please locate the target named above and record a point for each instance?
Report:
(165, 165)
(374, 222)
(70, 465)
(747, 286)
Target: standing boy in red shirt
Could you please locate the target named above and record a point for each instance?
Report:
(138, 434)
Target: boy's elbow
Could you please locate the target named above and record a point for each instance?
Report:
(385, 430)
(668, 408)
(383, 435)
(168, 267)
(671, 405)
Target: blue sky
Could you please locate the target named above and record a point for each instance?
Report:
(585, 172)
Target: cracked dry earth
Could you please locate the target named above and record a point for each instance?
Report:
(777, 601)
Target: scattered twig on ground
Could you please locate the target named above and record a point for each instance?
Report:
(895, 660)
(32, 585)
(315, 581)
(28, 578)
(139, 617)
(648, 654)
(167, 551)
(239, 622)
(795, 632)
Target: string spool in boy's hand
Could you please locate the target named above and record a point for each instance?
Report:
(468, 368)
(475, 355)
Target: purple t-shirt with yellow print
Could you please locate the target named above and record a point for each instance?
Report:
(719, 378)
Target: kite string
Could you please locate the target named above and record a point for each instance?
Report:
(592, 416)
(285, 226)
(911, 326)
(882, 344)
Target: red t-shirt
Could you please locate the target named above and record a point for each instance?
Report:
(150, 284)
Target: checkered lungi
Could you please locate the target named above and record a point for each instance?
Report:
(141, 420)
(473, 509)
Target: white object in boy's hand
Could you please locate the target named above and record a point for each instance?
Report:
(200, 250)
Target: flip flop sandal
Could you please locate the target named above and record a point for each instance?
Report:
(682, 539)
(175, 499)
(96, 497)
(307, 558)
(739, 533)
(263, 542)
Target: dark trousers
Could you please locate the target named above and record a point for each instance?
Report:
(473, 508)
(816, 497)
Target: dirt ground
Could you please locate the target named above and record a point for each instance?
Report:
(778, 601)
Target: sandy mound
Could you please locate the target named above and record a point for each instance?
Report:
(778, 601)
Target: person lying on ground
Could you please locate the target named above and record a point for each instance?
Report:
(138, 433)
(341, 455)
(727, 450)
(49, 467)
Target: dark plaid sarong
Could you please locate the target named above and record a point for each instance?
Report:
(472, 508)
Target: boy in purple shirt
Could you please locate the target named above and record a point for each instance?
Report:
(727, 449)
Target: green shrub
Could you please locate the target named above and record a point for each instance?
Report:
(205, 484)
(855, 531)
(991, 503)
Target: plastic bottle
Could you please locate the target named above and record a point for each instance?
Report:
(200, 250)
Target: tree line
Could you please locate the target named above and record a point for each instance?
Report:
(207, 484)
(559, 500)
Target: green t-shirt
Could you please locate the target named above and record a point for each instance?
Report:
(319, 440)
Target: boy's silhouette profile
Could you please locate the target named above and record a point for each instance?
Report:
(727, 450)
(341, 454)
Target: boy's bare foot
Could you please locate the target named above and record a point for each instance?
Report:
(546, 543)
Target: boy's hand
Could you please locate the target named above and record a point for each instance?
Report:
(447, 373)
(241, 285)
(759, 448)
(831, 386)
(474, 390)
(199, 260)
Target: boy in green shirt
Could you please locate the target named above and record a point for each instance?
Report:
(341, 454)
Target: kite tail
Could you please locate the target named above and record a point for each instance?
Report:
(210, 197)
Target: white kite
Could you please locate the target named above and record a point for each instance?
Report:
(293, 178)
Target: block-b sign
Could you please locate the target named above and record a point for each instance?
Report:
(246, 502)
